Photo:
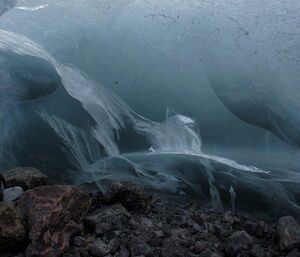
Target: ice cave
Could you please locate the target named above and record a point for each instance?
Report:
(195, 99)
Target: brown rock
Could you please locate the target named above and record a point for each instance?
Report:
(129, 195)
(25, 177)
(108, 219)
(289, 233)
(12, 230)
(53, 215)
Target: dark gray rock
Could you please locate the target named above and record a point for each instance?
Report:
(262, 229)
(79, 241)
(12, 193)
(114, 245)
(123, 253)
(289, 233)
(294, 253)
(166, 252)
(12, 231)
(237, 242)
(2, 186)
(257, 251)
(139, 248)
(209, 253)
(131, 196)
(99, 249)
(20, 255)
(25, 177)
(200, 246)
(108, 219)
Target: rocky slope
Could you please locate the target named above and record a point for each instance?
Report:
(60, 220)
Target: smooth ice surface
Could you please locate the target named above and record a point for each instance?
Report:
(189, 97)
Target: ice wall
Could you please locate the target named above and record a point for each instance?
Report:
(232, 66)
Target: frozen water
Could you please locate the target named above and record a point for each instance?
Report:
(95, 79)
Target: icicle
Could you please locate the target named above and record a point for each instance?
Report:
(232, 197)
(215, 197)
(214, 192)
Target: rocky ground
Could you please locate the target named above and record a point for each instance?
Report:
(37, 219)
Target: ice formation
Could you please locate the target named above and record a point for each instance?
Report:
(88, 83)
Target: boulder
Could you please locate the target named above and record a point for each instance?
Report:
(289, 233)
(257, 251)
(27, 178)
(139, 247)
(53, 214)
(12, 231)
(131, 196)
(108, 219)
(237, 242)
(99, 249)
(12, 193)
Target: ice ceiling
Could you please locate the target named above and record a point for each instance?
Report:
(187, 97)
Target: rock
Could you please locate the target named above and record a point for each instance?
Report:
(262, 229)
(238, 241)
(2, 186)
(53, 214)
(176, 243)
(123, 253)
(146, 223)
(196, 227)
(209, 253)
(12, 231)
(12, 193)
(20, 255)
(200, 246)
(84, 252)
(257, 251)
(139, 248)
(165, 252)
(228, 218)
(294, 253)
(25, 177)
(159, 234)
(289, 233)
(99, 248)
(132, 197)
(250, 227)
(107, 219)
(78, 241)
(114, 245)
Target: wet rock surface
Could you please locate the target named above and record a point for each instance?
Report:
(26, 177)
(61, 223)
(158, 228)
(12, 193)
(129, 195)
(289, 233)
(12, 231)
(52, 215)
